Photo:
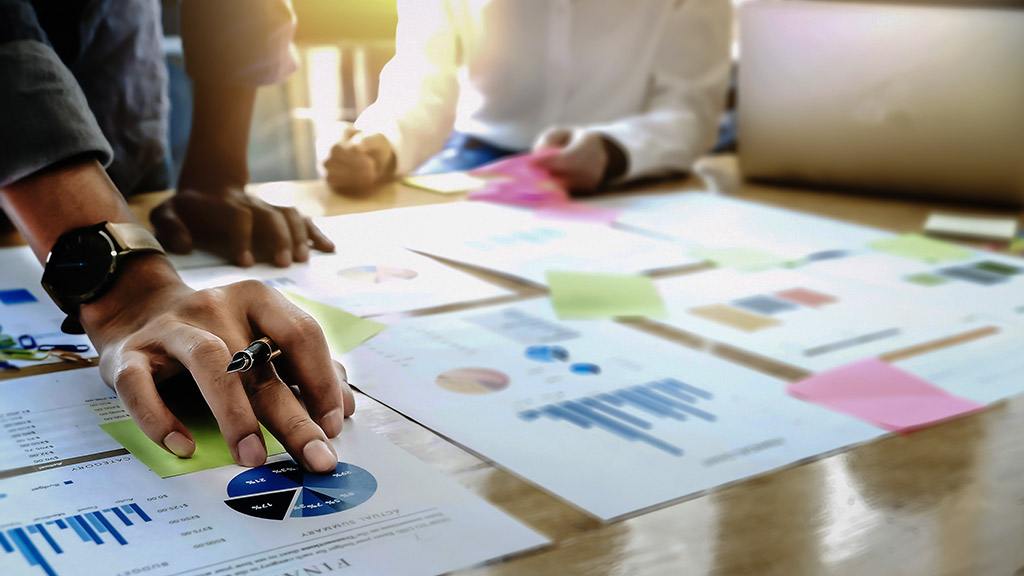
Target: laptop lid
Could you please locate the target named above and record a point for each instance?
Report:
(924, 100)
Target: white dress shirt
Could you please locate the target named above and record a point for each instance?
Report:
(649, 74)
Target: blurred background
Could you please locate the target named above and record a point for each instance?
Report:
(342, 46)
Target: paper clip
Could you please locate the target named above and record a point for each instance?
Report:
(26, 341)
(69, 356)
(4, 365)
(63, 348)
(21, 354)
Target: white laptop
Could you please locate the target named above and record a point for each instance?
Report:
(921, 100)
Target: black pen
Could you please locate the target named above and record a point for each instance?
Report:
(256, 354)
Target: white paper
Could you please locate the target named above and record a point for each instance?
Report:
(363, 280)
(514, 242)
(987, 285)
(697, 219)
(26, 308)
(491, 379)
(984, 370)
(386, 511)
(802, 319)
(968, 226)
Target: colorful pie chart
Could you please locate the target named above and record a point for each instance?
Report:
(473, 381)
(284, 490)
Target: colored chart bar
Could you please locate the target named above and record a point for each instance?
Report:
(87, 526)
(667, 399)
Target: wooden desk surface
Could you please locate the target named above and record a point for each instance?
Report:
(945, 500)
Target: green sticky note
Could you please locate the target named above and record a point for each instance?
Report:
(183, 398)
(926, 279)
(344, 331)
(922, 248)
(1016, 246)
(739, 258)
(211, 449)
(597, 295)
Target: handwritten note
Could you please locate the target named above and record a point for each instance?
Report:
(881, 394)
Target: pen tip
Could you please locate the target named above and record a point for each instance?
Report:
(236, 365)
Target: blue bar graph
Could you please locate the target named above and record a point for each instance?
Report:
(87, 527)
(667, 399)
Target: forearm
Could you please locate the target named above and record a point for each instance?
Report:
(73, 195)
(217, 147)
(62, 197)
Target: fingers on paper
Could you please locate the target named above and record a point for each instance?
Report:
(206, 356)
(129, 373)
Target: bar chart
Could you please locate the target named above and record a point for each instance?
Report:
(627, 412)
(36, 542)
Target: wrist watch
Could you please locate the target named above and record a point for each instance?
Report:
(83, 264)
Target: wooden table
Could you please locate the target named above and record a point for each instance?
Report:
(945, 500)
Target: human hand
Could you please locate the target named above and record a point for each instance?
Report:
(218, 215)
(585, 160)
(359, 160)
(150, 326)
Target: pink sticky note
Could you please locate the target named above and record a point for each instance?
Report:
(528, 193)
(578, 212)
(881, 394)
(518, 181)
(518, 167)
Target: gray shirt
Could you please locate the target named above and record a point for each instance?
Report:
(87, 77)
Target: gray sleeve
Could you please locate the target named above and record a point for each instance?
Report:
(44, 117)
(240, 42)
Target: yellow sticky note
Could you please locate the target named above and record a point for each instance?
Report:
(739, 258)
(922, 248)
(447, 183)
(344, 331)
(598, 295)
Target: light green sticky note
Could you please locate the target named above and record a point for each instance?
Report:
(739, 258)
(344, 331)
(1016, 246)
(211, 449)
(922, 248)
(597, 295)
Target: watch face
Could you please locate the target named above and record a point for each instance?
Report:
(79, 263)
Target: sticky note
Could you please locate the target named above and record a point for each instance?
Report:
(881, 394)
(211, 448)
(344, 331)
(447, 183)
(739, 258)
(919, 247)
(578, 213)
(594, 295)
(969, 226)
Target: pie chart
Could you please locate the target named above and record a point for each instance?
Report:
(284, 490)
(473, 381)
(376, 274)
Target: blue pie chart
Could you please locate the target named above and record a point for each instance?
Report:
(284, 490)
